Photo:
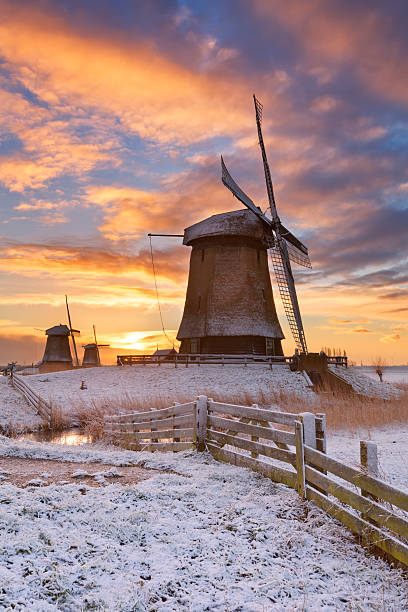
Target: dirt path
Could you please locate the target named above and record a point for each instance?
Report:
(20, 472)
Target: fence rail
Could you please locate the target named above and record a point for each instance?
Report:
(248, 436)
(43, 408)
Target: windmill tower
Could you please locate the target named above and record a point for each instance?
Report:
(57, 354)
(229, 304)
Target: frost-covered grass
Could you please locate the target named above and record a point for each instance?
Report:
(211, 537)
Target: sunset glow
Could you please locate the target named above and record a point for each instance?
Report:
(112, 124)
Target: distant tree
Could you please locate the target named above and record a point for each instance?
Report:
(380, 364)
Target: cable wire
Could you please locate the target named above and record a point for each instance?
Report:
(157, 294)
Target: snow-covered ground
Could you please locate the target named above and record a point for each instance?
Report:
(391, 374)
(392, 448)
(366, 385)
(205, 536)
(165, 383)
(15, 413)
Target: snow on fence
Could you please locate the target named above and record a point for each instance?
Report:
(36, 401)
(244, 436)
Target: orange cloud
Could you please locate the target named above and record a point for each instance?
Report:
(390, 339)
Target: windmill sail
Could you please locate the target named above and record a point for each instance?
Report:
(284, 246)
(241, 195)
(280, 254)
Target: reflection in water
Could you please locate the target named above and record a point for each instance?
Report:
(67, 436)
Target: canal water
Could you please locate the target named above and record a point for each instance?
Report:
(70, 437)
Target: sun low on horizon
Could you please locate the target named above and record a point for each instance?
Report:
(113, 120)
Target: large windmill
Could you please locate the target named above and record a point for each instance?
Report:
(283, 245)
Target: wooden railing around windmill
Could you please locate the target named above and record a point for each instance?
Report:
(198, 359)
(264, 441)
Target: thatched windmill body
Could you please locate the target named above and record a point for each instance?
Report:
(229, 304)
(57, 354)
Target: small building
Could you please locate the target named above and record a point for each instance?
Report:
(57, 354)
(164, 354)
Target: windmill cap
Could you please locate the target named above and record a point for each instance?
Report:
(90, 345)
(58, 330)
(236, 223)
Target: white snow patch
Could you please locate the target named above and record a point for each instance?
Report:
(211, 537)
(364, 385)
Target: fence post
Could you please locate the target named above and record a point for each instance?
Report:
(369, 462)
(153, 429)
(254, 454)
(309, 428)
(201, 420)
(176, 426)
(300, 459)
(321, 443)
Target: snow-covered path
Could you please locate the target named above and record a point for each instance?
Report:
(208, 537)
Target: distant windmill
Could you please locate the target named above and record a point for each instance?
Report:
(91, 355)
(72, 332)
(284, 246)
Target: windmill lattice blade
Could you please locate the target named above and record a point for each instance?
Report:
(288, 296)
(297, 256)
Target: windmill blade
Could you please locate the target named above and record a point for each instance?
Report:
(72, 331)
(268, 178)
(286, 284)
(241, 195)
(297, 256)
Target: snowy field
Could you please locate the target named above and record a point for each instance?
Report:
(201, 536)
(153, 385)
(165, 383)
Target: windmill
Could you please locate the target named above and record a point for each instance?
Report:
(284, 247)
(91, 355)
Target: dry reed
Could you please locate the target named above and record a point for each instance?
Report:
(342, 411)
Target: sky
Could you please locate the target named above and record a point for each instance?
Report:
(113, 117)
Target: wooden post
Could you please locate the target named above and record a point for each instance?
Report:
(254, 454)
(154, 429)
(175, 360)
(245, 361)
(187, 361)
(201, 420)
(309, 428)
(175, 426)
(270, 363)
(300, 459)
(369, 463)
(321, 442)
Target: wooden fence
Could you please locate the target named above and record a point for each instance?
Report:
(198, 359)
(250, 437)
(43, 408)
